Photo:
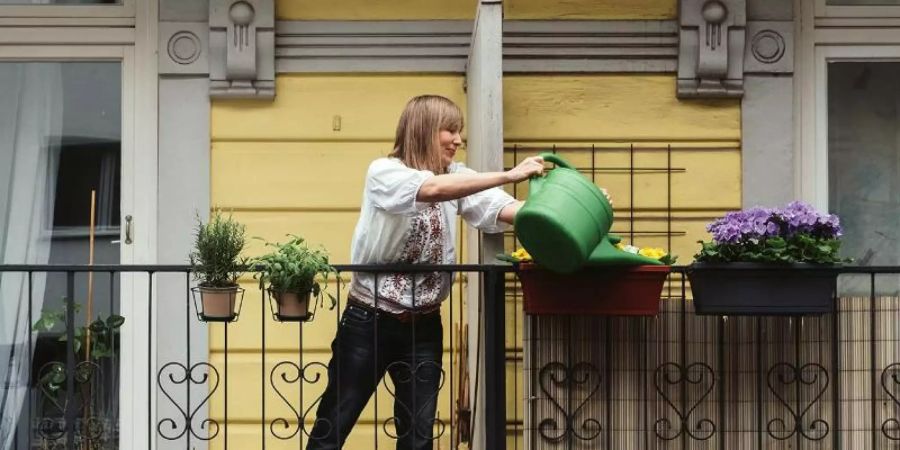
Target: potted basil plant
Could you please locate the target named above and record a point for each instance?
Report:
(296, 278)
(768, 261)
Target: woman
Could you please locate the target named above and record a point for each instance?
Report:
(392, 321)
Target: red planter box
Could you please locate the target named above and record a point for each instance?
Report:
(608, 291)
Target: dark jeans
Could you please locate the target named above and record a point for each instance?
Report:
(410, 352)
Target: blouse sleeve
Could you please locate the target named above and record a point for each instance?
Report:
(482, 209)
(392, 187)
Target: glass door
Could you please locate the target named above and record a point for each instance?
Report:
(66, 192)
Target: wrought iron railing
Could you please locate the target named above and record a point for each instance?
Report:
(192, 402)
(680, 380)
(676, 380)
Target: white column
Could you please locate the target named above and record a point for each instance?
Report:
(484, 96)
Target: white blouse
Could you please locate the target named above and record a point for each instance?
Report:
(395, 228)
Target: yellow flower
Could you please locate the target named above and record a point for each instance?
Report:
(652, 252)
(522, 255)
(620, 246)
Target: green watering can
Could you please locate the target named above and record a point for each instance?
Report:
(564, 225)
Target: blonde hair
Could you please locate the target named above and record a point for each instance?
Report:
(416, 142)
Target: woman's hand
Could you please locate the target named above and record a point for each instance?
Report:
(526, 169)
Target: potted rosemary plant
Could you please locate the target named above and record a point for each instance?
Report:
(768, 261)
(289, 273)
(217, 264)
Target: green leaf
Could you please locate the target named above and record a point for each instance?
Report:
(98, 326)
(115, 321)
(54, 377)
(101, 350)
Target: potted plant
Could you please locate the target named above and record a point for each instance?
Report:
(217, 264)
(768, 261)
(95, 344)
(612, 289)
(288, 273)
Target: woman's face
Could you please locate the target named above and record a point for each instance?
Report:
(449, 142)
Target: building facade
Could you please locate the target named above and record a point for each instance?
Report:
(273, 109)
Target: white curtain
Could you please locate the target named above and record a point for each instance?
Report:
(30, 130)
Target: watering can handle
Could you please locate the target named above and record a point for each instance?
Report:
(556, 159)
(537, 182)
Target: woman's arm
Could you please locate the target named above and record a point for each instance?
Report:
(452, 186)
(508, 213)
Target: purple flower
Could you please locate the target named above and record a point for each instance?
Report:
(758, 223)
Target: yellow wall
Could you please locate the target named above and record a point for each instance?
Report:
(282, 168)
(606, 115)
(375, 9)
(465, 9)
(590, 9)
(612, 112)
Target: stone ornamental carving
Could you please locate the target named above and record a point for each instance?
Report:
(770, 47)
(184, 47)
(242, 49)
(711, 48)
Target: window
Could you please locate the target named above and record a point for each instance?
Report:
(864, 158)
(84, 167)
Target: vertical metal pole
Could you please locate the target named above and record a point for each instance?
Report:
(631, 194)
(301, 422)
(375, 374)
(873, 360)
(187, 332)
(494, 373)
(759, 382)
(721, 332)
(452, 357)
(645, 355)
(150, 338)
(225, 400)
(30, 355)
(836, 363)
(70, 360)
(414, 362)
(682, 361)
(797, 391)
(607, 375)
(262, 379)
(337, 365)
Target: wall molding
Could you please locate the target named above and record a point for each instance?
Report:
(590, 46)
(372, 46)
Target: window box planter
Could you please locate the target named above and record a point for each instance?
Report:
(754, 289)
(606, 290)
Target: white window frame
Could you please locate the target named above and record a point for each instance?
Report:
(126, 8)
(135, 49)
(855, 36)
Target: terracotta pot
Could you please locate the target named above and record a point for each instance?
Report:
(752, 289)
(607, 291)
(292, 306)
(218, 303)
